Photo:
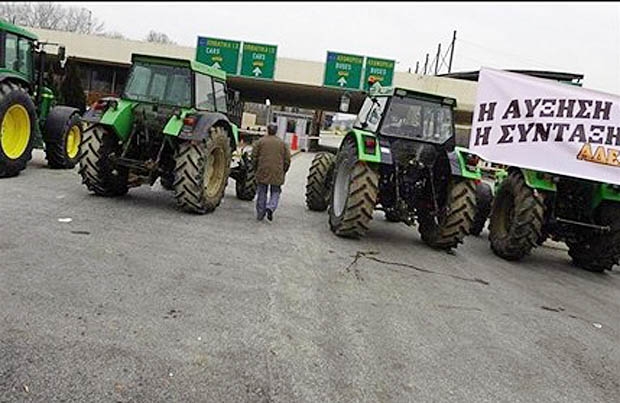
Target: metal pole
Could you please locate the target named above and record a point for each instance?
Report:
(417, 66)
(437, 62)
(426, 63)
(452, 51)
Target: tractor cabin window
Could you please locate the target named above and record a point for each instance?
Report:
(220, 96)
(204, 93)
(160, 84)
(25, 57)
(11, 61)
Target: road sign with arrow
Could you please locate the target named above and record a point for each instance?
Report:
(343, 70)
(258, 60)
(219, 53)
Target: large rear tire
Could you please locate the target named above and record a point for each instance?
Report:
(201, 172)
(62, 135)
(95, 168)
(354, 194)
(599, 252)
(484, 200)
(17, 129)
(319, 181)
(450, 228)
(516, 218)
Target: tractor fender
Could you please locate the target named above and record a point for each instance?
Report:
(359, 137)
(537, 180)
(207, 120)
(58, 115)
(16, 78)
(92, 115)
(458, 164)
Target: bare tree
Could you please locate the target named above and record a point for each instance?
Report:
(159, 37)
(113, 35)
(49, 15)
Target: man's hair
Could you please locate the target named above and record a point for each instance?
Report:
(272, 129)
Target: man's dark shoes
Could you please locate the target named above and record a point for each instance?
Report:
(269, 215)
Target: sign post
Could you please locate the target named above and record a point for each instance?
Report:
(381, 69)
(343, 71)
(222, 54)
(258, 61)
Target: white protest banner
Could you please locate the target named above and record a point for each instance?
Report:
(547, 126)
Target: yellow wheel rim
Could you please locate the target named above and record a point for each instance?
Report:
(73, 142)
(216, 166)
(15, 134)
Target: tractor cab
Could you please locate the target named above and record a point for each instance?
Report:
(398, 113)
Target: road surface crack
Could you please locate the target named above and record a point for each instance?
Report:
(370, 256)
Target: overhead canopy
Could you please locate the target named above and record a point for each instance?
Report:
(551, 75)
(303, 96)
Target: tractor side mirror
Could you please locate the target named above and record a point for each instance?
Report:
(345, 100)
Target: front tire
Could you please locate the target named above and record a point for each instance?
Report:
(354, 194)
(17, 119)
(516, 218)
(484, 199)
(63, 135)
(95, 167)
(201, 172)
(319, 181)
(599, 252)
(246, 189)
(449, 230)
(391, 215)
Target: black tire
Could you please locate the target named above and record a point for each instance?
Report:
(12, 161)
(62, 136)
(391, 215)
(516, 218)
(167, 180)
(599, 252)
(94, 165)
(199, 188)
(484, 200)
(354, 194)
(319, 181)
(450, 229)
(246, 189)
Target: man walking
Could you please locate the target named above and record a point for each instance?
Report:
(271, 158)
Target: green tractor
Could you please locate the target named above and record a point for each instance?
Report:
(400, 157)
(171, 122)
(28, 113)
(531, 206)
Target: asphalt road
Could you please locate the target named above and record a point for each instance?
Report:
(135, 301)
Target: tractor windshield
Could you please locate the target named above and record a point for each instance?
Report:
(418, 119)
(18, 54)
(169, 85)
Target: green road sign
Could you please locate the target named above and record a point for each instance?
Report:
(258, 61)
(382, 70)
(342, 70)
(219, 53)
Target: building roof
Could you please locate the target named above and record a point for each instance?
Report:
(551, 75)
(296, 81)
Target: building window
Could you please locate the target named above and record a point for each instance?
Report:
(101, 79)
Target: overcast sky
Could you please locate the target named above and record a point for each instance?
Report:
(573, 37)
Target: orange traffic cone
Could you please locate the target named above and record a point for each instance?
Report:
(294, 142)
